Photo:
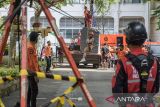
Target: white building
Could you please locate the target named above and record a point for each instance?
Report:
(114, 21)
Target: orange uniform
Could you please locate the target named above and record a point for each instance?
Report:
(88, 18)
(48, 51)
(32, 58)
(122, 53)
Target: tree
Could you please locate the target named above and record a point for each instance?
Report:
(156, 12)
(3, 3)
(12, 42)
(103, 6)
(49, 3)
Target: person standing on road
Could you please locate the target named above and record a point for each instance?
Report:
(138, 71)
(32, 68)
(104, 55)
(48, 55)
(42, 56)
(60, 55)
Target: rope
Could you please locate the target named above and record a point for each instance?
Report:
(65, 13)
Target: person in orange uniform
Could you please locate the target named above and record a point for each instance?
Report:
(87, 17)
(121, 51)
(138, 71)
(32, 68)
(48, 54)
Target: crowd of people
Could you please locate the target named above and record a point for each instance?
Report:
(137, 70)
(110, 55)
(33, 65)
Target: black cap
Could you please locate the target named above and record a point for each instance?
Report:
(33, 37)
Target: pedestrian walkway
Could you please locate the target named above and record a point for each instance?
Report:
(84, 69)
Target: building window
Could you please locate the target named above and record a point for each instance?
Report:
(124, 22)
(68, 33)
(76, 1)
(131, 1)
(63, 32)
(80, 1)
(104, 25)
(71, 23)
(69, 28)
(75, 32)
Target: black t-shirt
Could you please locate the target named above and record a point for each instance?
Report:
(105, 50)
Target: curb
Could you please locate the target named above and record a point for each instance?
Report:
(8, 87)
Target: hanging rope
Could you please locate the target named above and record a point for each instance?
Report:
(65, 13)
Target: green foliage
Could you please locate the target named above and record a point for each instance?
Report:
(2, 19)
(9, 71)
(103, 5)
(64, 3)
(42, 63)
(156, 13)
(4, 3)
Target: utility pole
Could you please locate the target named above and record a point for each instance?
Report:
(91, 7)
(91, 10)
(103, 23)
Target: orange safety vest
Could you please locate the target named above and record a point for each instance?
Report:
(48, 51)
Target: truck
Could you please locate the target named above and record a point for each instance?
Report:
(116, 39)
(92, 57)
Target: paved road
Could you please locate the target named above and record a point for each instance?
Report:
(98, 82)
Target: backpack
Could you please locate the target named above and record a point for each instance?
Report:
(142, 64)
(105, 50)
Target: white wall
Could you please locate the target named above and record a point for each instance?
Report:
(116, 11)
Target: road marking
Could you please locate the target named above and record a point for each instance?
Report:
(57, 82)
(41, 98)
(77, 99)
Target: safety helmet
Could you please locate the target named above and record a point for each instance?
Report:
(135, 32)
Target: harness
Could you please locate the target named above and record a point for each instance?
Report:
(142, 64)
